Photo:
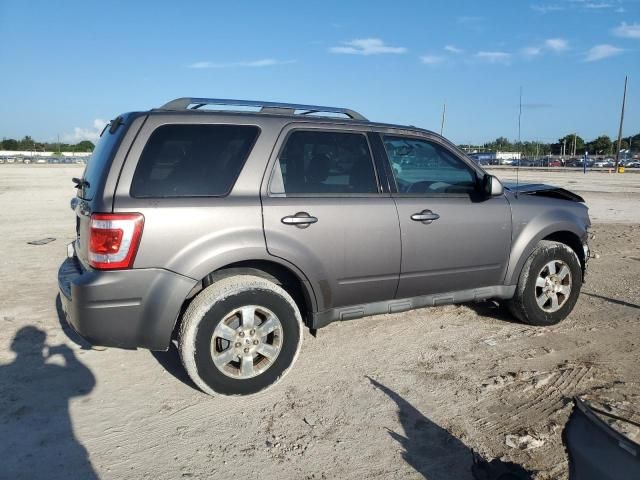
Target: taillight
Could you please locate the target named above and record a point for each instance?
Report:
(114, 239)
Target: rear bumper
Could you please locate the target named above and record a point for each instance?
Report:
(122, 308)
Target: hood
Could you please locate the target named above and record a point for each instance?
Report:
(543, 190)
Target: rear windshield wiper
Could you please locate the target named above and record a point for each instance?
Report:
(80, 182)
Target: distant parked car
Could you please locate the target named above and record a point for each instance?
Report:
(574, 162)
(555, 163)
(606, 163)
(634, 164)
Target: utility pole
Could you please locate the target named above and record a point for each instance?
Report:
(574, 144)
(564, 147)
(624, 100)
(444, 112)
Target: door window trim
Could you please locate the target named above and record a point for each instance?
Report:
(276, 164)
(427, 138)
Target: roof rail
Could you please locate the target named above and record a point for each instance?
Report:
(185, 103)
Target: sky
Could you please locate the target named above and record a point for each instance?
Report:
(68, 67)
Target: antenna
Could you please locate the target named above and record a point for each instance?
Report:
(624, 99)
(444, 111)
(519, 143)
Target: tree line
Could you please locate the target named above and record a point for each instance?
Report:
(29, 144)
(602, 145)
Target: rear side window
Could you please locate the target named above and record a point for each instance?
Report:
(192, 160)
(315, 162)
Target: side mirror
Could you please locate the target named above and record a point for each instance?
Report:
(492, 186)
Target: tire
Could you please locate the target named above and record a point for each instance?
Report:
(210, 336)
(533, 302)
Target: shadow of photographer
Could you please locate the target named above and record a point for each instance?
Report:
(436, 454)
(36, 432)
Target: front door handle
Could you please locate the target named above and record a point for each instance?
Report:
(300, 220)
(425, 216)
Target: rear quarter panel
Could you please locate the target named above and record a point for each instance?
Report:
(194, 236)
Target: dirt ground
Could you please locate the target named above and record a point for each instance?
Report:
(402, 396)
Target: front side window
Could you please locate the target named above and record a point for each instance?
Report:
(192, 160)
(314, 162)
(423, 167)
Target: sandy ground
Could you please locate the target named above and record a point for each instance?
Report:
(403, 396)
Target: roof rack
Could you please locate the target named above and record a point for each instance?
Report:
(188, 103)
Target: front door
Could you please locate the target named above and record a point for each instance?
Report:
(325, 212)
(453, 237)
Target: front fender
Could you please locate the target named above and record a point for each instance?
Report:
(529, 230)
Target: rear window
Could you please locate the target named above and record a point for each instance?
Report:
(192, 160)
(100, 161)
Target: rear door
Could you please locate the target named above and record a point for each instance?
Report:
(453, 237)
(325, 211)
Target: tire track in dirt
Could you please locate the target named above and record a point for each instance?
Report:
(546, 399)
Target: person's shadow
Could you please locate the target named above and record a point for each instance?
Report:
(36, 433)
(437, 455)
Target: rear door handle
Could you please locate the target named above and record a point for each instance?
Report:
(425, 216)
(300, 220)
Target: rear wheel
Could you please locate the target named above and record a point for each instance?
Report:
(548, 286)
(240, 336)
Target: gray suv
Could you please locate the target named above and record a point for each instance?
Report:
(233, 230)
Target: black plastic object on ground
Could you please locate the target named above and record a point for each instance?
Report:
(497, 470)
(42, 241)
(597, 451)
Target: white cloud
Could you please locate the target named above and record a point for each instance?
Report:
(531, 51)
(597, 6)
(80, 134)
(265, 62)
(431, 59)
(453, 49)
(556, 44)
(366, 46)
(543, 9)
(627, 30)
(600, 52)
(494, 57)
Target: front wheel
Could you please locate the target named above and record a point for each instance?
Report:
(240, 336)
(548, 286)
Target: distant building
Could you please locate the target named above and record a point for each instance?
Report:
(507, 157)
